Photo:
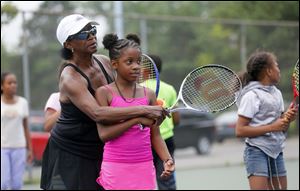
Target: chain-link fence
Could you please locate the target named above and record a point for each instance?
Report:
(183, 43)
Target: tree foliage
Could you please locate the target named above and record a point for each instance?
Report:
(43, 49)
(186, 34)
(8, 12)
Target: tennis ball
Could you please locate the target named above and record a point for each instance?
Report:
(160, 102)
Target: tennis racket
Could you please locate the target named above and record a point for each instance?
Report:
(295, 81)
(295, 84)
(211, 88)
(149, 76)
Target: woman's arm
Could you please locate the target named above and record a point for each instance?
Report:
(244, 130)
(106, 64)
(74, 87)
(28, 140)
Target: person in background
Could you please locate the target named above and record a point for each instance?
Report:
(73, 154)
(127, 158)
(262, 120)
(52, 111)
(15, 135)
(167, 96)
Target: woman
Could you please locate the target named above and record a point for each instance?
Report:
(74, 151)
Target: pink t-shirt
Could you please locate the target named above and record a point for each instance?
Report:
(134, 145)
(53, 102)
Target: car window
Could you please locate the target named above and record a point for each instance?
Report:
(36, 123)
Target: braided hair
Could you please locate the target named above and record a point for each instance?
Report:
(115, 45)
(256, 64)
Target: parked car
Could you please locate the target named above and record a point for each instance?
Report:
(39, 137)
(225, 125)
(196, 129)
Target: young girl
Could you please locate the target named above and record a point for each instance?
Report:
(262, 121)
(52, 111)
(15, 136)
(127, 158)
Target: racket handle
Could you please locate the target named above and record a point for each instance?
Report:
(141, 126)
(292, 105)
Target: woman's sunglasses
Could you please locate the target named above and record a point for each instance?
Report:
(83, 35)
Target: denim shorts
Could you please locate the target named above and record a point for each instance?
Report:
(260, 164)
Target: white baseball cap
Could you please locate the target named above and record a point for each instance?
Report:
(70, 25)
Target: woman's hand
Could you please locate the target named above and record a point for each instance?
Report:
(154, 111)
(157, 113)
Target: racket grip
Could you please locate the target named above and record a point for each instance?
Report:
(292, 105)
(141, 126)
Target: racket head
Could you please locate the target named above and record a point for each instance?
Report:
(211, 88)
(295, 79)
(149, 74)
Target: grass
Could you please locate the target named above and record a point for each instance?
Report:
(32, 181)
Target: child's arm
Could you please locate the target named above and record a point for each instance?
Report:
(161, 149)
(109, 131)
(160, 146)
(28, 140)
(244, 130)
(51, 116)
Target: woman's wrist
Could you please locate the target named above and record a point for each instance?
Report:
(144, 110)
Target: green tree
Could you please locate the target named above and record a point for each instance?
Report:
(44, 49)
(186, 34)
(8, 12)
(283, 41)
(10, 61)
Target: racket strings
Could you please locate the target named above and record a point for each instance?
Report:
(211, 89)
(148, 75)
(296, 77)
(147, 71)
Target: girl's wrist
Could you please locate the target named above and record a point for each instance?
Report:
(168, 159)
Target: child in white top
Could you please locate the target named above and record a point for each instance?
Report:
(15, 135)
(52, 111)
